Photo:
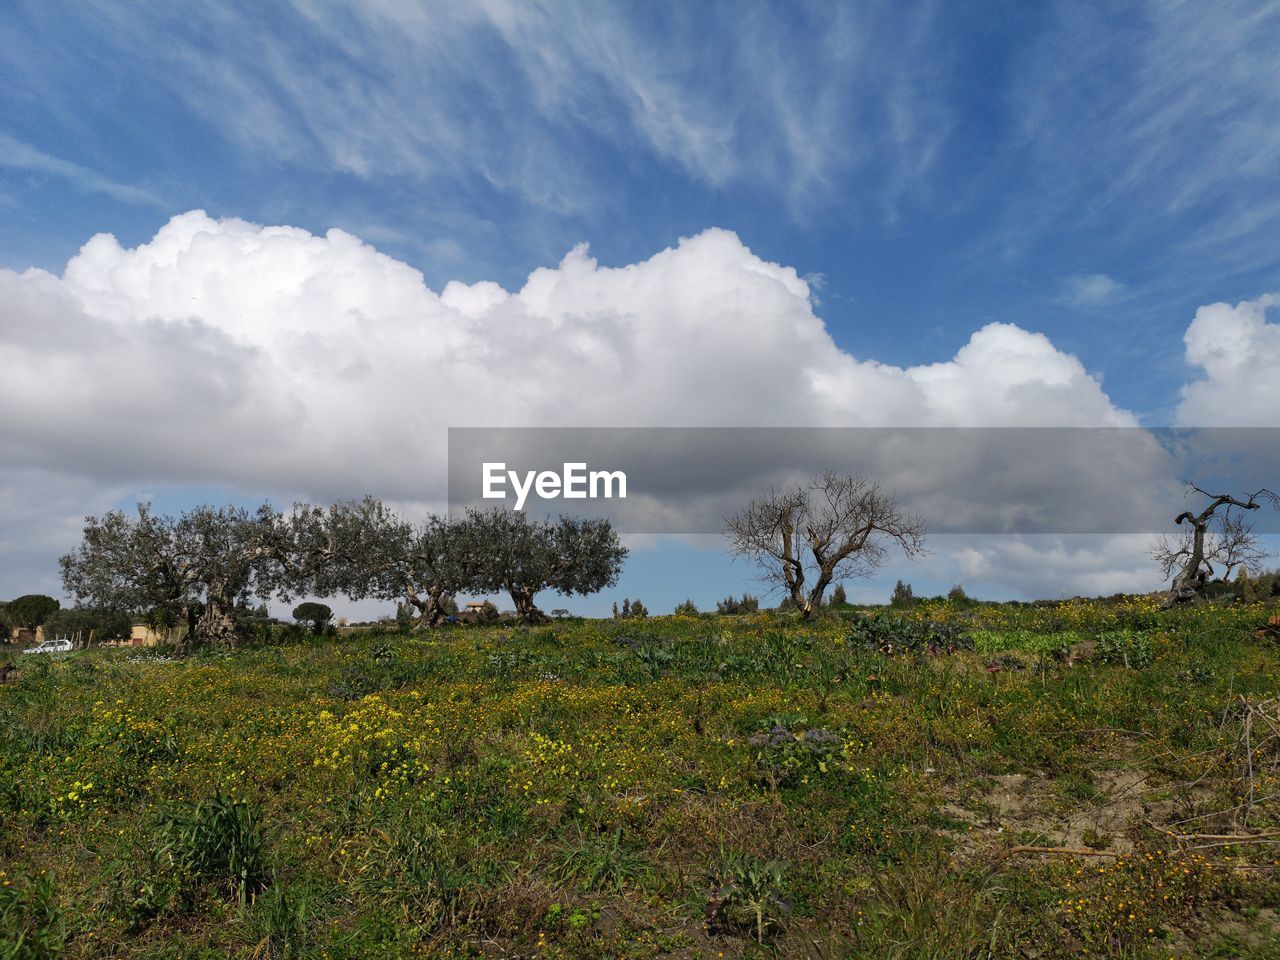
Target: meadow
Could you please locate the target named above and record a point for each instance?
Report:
(954, 780)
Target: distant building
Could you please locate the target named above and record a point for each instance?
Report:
(26, 636)
(143, 635)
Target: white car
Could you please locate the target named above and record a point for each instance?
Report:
(51, 646)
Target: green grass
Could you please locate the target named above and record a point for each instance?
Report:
(686, 786)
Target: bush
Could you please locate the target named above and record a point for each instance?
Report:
(730, 605)
(686, 609)
(891, 635)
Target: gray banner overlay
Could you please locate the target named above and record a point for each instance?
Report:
(1047, 480)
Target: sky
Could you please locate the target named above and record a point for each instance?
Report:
(255, 251)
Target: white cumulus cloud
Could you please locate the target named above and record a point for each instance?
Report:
(268, 359)
(227, 352)
(1237, 349)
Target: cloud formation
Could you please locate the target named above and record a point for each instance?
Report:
(1237, 349)
(269, 359)
(224, 351)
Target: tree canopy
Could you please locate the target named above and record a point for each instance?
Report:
(32, 610)
(206, 565)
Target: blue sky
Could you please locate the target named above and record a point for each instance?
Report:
(1092, 172)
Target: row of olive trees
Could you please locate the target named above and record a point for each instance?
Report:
(204, 566)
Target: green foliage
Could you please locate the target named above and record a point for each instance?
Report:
(315, 615)
(1054, 645)
(604, 863)
(631, 610)
(902, 595)
(786, 756)
(748, 891)
(32, 609)
(838, 597)
(733, 605)
(217, 840)
(283, 914)
(897, 635)
(564, 790)
(1126, 648)
(81, 621)
(686, 608)
(31, 925)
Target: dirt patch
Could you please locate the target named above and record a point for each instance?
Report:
(1098, 811)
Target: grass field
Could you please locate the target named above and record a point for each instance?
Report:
(684, 786)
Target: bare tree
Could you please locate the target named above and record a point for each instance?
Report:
(840, 526)
(1218, 538)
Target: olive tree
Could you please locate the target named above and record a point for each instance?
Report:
(1215, 540)
(838, 526)
(522, 556)
(201, 566)
(361, 549)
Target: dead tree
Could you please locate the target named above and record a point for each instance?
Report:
(836, 527)
(1213, 542)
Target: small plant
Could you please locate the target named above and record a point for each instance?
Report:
(604, 864)
(747, 891)
(217, 840)
(1126, 648)
(283, 913)
(31, 925)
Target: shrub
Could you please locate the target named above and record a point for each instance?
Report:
(686, 609)
(786, 757)
(889, 635)
(731, 605)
